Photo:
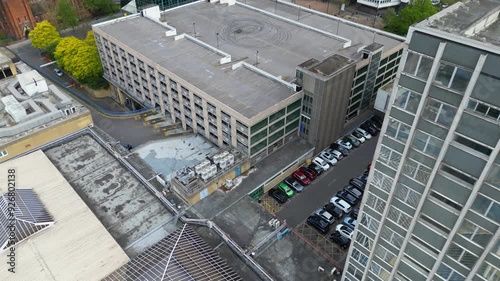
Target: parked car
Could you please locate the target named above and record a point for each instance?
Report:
(278, 195)
(358, 193)
(359, 136)
(336, 212)
(322, 213)
(358, 184)
(355, 213)
(345, 231)
(369, 128)
(329, 158)
(343, 150)
(337, 154)
(344, 195)
(341, 204)
(340, 240)
(318, 223)
(364, 133)
(363, 178)
(311, 174)
(377, 121)
(345, 143)
(352, 140)
(301, 178)
(286, 189)
(316, 168)
(349, 222)
(322, 163)
(295, 185)
(58, 72)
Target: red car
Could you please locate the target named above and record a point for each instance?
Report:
(311, 174)
(300, 177)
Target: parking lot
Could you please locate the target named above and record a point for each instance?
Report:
(296, 210)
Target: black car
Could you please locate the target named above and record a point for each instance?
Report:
(340, 240)
(367, 127)
(357, 193)
(355, 213)
(318, 223)
(357, 183)
(362, 178)
(334, 211)
(278, 195)
(347, 197)
(377, 121)
(341, 149)
(319, 170)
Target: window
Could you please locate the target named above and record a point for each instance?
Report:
(493, 176)
(398, 130)
(484, 109)
(293, 106)
(446, 201)
(439, 112)
(418, 65)
(426, 143)
(475, 233)
(358, 256)
(389, 157)
(449, 274)
(487, 207)
(406, 195)
(376, 203)
(452, 77)
(434, 225)
(385, 255)
(3, 153)
(259, 126)
(488, 271)
(459, 254)
(407, 100)
(457, 175)
(469, 143)
(364, 240)
(370, 223)
(382, 181)
(392, 237)
(276, 115)
(417, 171)
(399, 217)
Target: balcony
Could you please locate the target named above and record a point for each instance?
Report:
(243, 140)
(197, 101)
(226, 129)
(199, 111)
(212, 120)
(211, 109)
(187, 112)
(214, 139)
(200, 121)
(226, 139)
(226, 118)
(213, 130)
(242, 129)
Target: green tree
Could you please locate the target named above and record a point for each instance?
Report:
(66, 50)
(44, 35)
(86, 63)
(100, 7)
(66, 14)
(416, 11)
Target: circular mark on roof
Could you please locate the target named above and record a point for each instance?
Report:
(252, 33)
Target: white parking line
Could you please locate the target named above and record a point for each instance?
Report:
(47, 64)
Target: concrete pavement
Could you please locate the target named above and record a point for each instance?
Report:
(322, 189)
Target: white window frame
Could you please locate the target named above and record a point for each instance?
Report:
(392, 163)
(384, 183)
(404, 108)
(398, 130)
(393, 236)
(364, 241)
(406, 194)
(417, 170)
(427, 141)
(401, 218)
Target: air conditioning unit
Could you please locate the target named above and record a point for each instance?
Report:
(73, 109)
(205, 174)
(217, 158)
(223, 163)
(230, 159)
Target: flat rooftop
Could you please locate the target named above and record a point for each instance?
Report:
(329, 66)
(131, 214)
(241, 89)
(171, 154)
(76, 247)
(467, 19)
(42, 110)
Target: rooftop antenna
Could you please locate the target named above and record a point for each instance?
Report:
(194, 29)
(257, 58)
(217, 34)
(35, 82)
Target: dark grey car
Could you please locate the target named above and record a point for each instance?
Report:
(295, 185)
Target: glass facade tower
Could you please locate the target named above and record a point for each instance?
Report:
(431, 210)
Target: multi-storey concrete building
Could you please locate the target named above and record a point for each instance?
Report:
(235, 73)
(431, 210)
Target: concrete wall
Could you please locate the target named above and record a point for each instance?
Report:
(46, 135)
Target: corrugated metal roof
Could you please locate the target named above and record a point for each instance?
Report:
(14, 108)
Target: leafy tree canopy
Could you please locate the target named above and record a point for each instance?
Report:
(44, 35)
(416, 11)
(90, 39)
(86, 63)
(66, 14)
(100, 7)
(66, 50)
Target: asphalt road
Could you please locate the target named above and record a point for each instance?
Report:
(126, 130)
(318, 193)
